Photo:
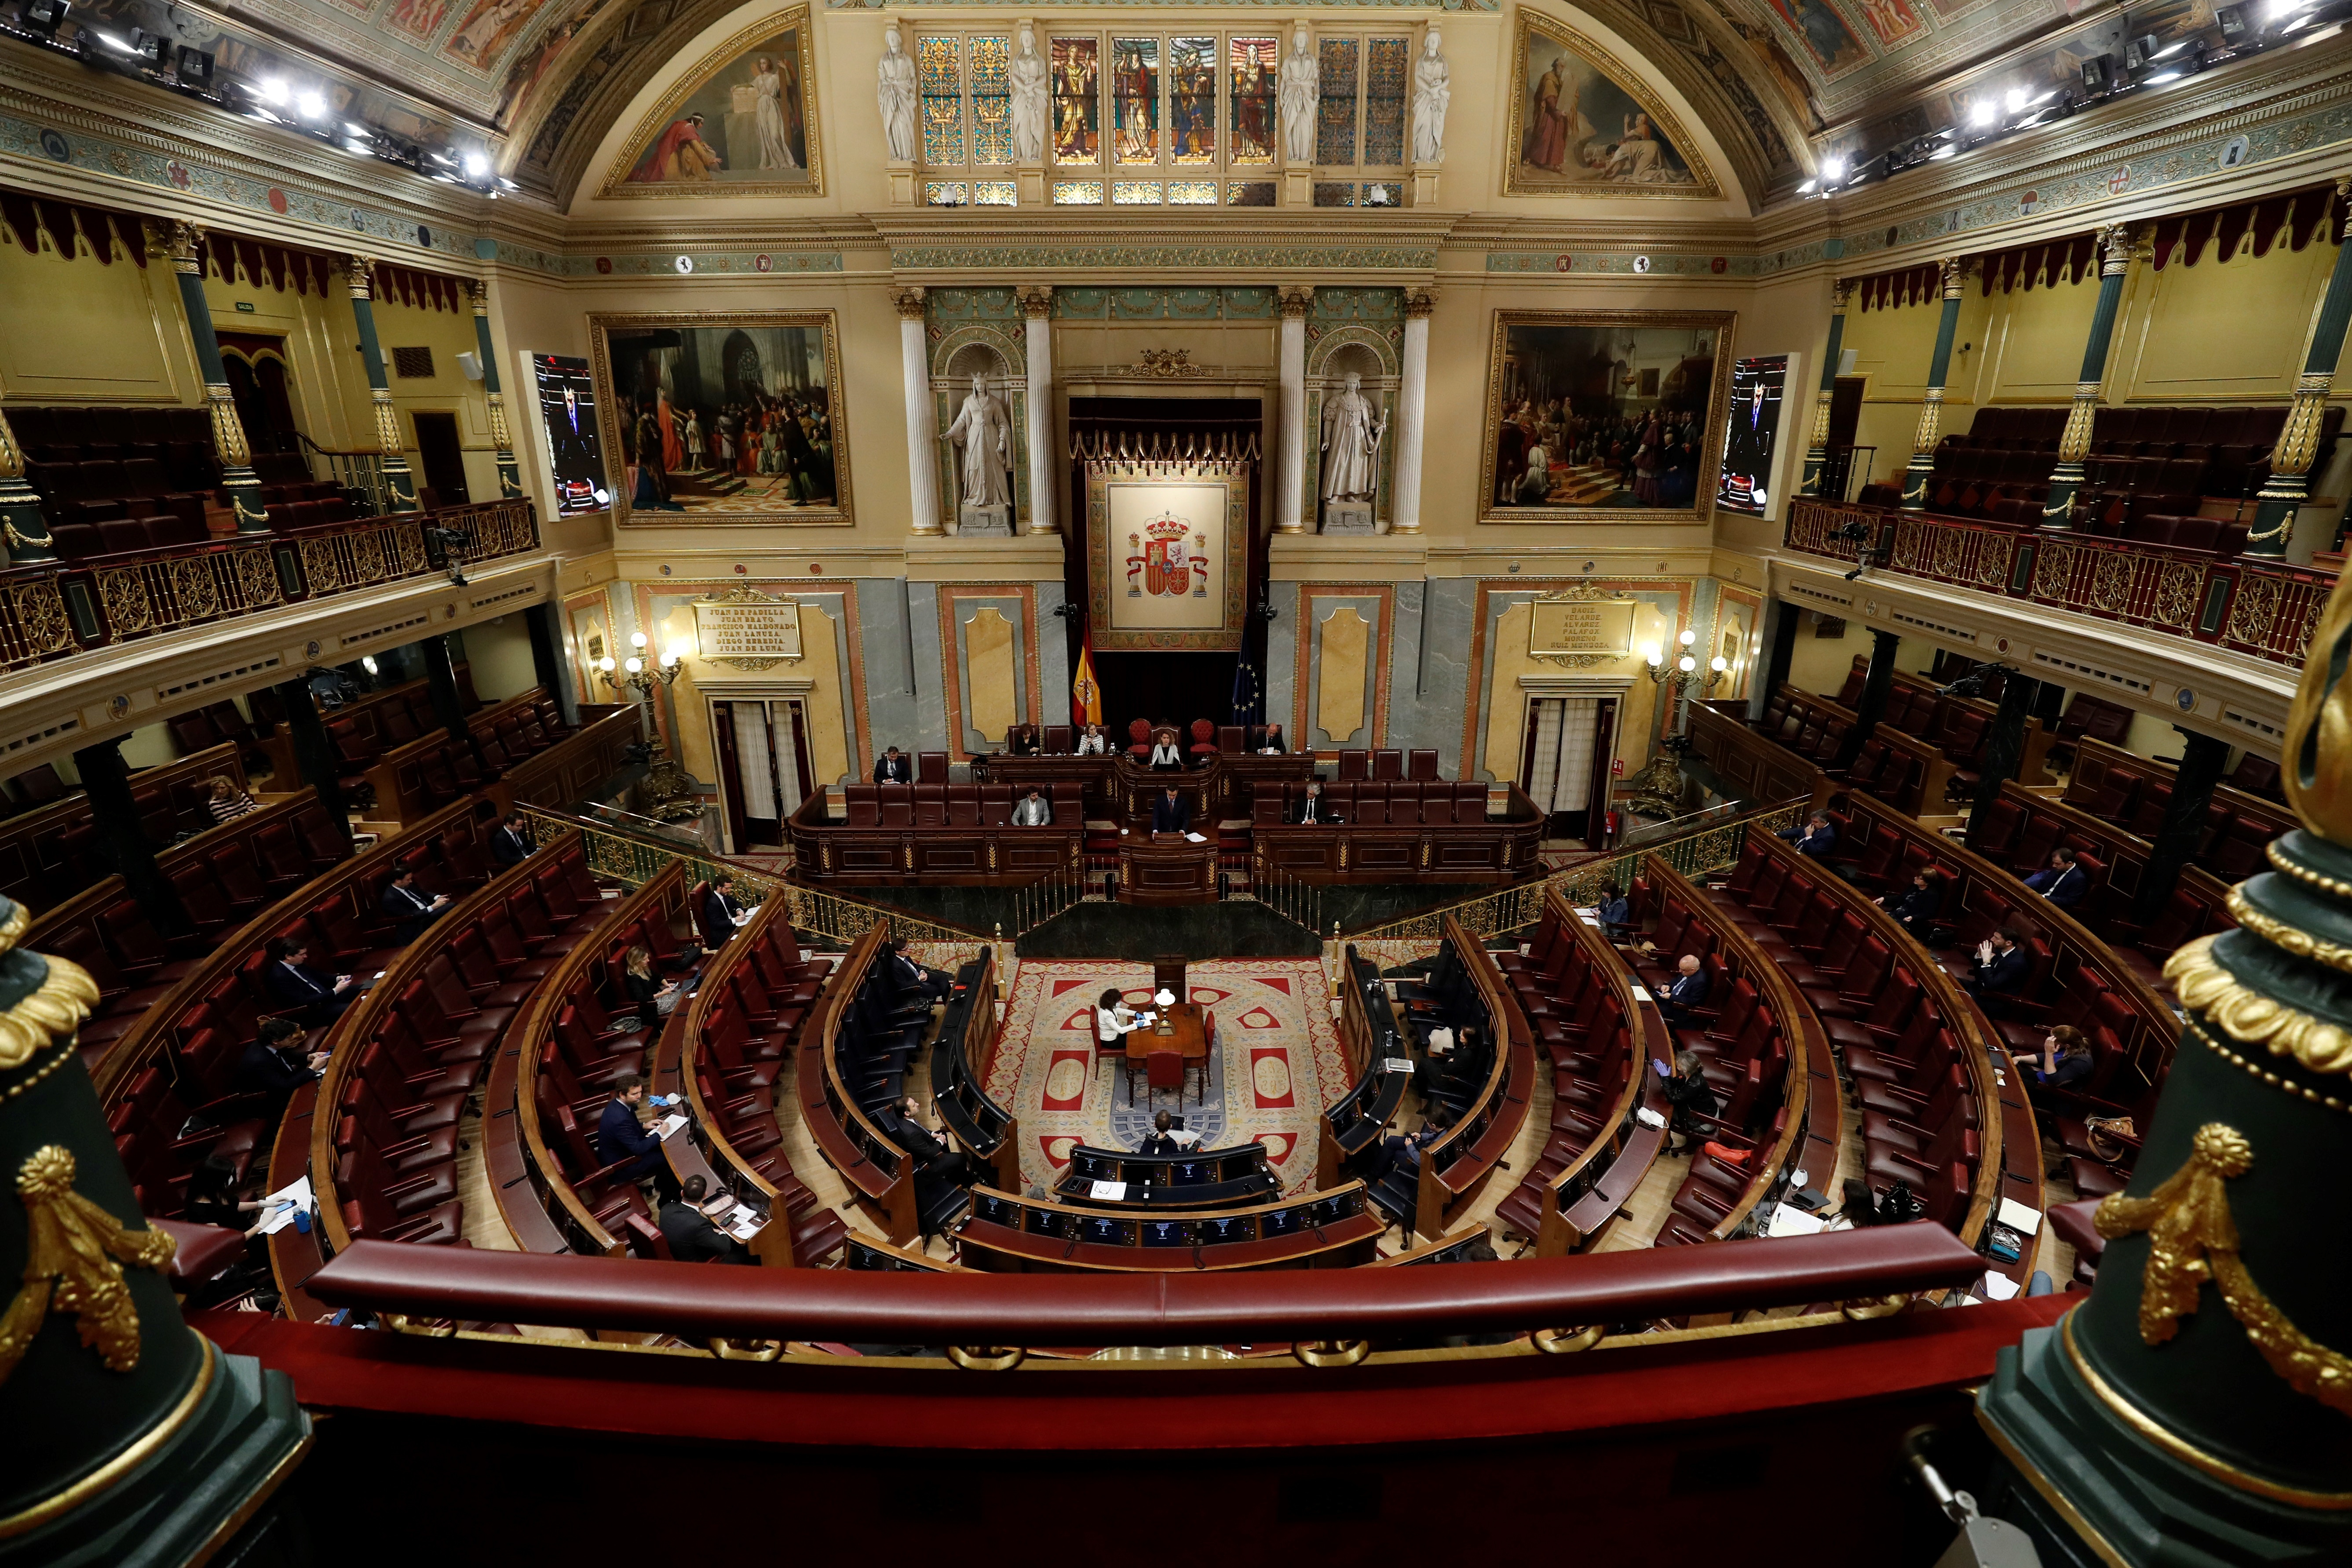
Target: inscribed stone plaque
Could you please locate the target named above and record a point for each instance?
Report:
(1602, 626)
(740, 632)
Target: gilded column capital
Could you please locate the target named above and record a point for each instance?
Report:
(1036, 299)
(1840, 295)
(1956, 270)
(910, 302)
(184, 242)
(479, 293)
(1419, 303)
(1297, 298)
(361, 272)
(2117, 244)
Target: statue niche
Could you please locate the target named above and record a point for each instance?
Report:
(981, 447)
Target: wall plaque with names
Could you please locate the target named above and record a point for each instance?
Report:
(749, 630)
(1580, 628)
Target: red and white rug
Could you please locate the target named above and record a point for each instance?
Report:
(1275, 1066)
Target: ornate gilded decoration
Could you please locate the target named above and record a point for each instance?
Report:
(387, 428)
(2052, 568)
(2253, 611)
(734, 50)
(41, 617)
(184, 243)
(910, 302)
(55, 1009)
(1579, 593)
(1420, 303)
(196, 595)
(2111, 582)
(1036, 299)
(1168, 364)
(2249, 1018)
(2176, 594)
(123, 594)
(2192, 1238)
(360, 272)
(73, 1264)
(1297, 300)
(256, 578)
(731, 632)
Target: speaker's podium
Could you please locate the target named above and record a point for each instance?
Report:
(1167, 868)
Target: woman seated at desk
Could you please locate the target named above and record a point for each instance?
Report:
(1114, 1020)
(1094, 743)
(1166, 757)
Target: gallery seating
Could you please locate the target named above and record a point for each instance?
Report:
(1353, 1127)
(51, 854)
(1007, 1233)
(1482, 1089)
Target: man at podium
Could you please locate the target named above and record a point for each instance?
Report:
(1171, 813)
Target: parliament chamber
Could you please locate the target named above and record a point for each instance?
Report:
(1459, 816)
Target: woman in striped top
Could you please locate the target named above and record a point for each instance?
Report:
(227, 801)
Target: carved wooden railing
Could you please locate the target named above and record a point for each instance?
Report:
(2263, 609)
(56, 608)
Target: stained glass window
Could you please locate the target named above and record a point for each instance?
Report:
(1334, 193)
(940, 71)
(1384, 193)
(1135, 101)
(1334, 116)
(1192, 192)
(995, 193)
(1192, 100)
(991, 101)
(1250, 127)
(1135, 193)
(1078, 102)
(1387, 64)
(945, 193)
(1078, 193)
(1250, 193)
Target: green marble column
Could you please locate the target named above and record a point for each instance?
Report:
(2289, 484)
(1931, 407)
(400, 486)
(22, 522)
(244, 488)
(1817, 455)
(2075, 444)
(510, 473)
(125, 1436)
(2197, 1408)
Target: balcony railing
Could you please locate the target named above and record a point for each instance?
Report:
(2260, 608)
(56, 608)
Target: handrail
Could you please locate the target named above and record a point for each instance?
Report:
(698, 1304)
(347, 1036)
(1359, 1228)
(530, 1027)
(1564, 1227)
(1801, 1027)
(132, 1051)
(632, 858)
(1709, 848)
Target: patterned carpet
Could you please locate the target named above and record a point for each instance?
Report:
(1275, 1066)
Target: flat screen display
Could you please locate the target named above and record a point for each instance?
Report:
(1757, 385)
(567, 412)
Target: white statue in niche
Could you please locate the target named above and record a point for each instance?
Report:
(1432, 89)
(1352, 428)
(1031, 100)
(1300, 88)
(894, 90)
(984, 428)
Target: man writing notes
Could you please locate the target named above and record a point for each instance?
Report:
(892, 768)
(410, 907)
(1171, 813)
(1033, 811)
(692, 1237)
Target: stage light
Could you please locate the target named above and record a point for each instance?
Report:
(45, 16)
(111, 42)
(310, 105)
(477, 166)
(1832, 170)
(275, 90)
(2015, 101)
(1983, 112)
(1807, 188)
(194, 67)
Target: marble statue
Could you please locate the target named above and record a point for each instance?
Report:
(1032, 102)
(1300, 87)
(1352, 429)
(984, 428)
(1432, 88)
(895, 91)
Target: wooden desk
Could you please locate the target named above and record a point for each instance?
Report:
(1168, 869)
(1187, 1038)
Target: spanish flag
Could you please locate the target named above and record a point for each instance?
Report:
(1085, 696)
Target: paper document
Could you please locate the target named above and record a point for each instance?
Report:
(1789, 1220)
(1642, 994)
(667, 1124)
(2018, 1217)
(1185, 1138)
(1196, 839)
(279, 1208)
(1998, 1287)
(1396, 1064)
(1648, 1118)
(1109, 1191)
(744, 1223)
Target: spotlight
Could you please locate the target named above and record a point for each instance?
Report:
(478, 167)
(2016, 100)
(275, 90)
(1983, 112)
(310, 105)
(45, 16)
(2098, 74)
(2142, 49)
(111, 42)
(194, 68)
(2231, 20)
(1832, 170)
(149, 47)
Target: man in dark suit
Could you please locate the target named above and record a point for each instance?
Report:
(313, 997)
(892, 768)
(512, 843)
(1270, 743)
(692, 1237)
(1816, 837)
(1171, 813)
(2061, 881)
(1689, 990)
(1312, 810)
(621, 1137)
(1915, 909)
(932, 1157)
(2001, 966)
(274, 1065)
(912, 978)
(720, 912)
(412, 909)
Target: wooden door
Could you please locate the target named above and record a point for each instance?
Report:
(731, 780)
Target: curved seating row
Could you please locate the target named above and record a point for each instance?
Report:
(1379, 1062)
(1753, 768)
(408, 1055)
(1604, 1043)
(853, 1059)
(1938, 1116)
(1209, 1178)
(1004, 1233)
(1453, 1249)
(362, 728)
(962, 1055)
(414, 777)
(1456, 1167)
(50, 855)
(722, 1050)
(224, 877)
(1762, 1049)
(2132, 791)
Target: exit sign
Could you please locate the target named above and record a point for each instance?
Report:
(246, 306)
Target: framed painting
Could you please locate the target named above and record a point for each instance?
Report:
(723, 417)
(1600, 416)
(742, 123)
(1581, 124)
(1167, 556)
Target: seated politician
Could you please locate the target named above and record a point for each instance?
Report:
(626, 1145)
(313, 997)
(1033, 811)
(893, 766)
(1094, 743)
(1817, 837)
(410, 907)
(687, 1227)
(2061, 881)
(275, 1065)
(512, 843)
(721, 911)
(1311, 809)
(1167, 757)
